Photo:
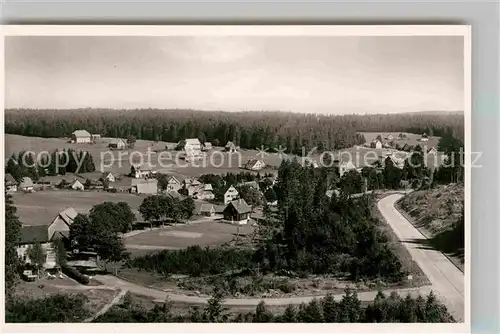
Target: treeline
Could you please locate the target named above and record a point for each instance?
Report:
(383, 309)
(247, 129)
(58, 162)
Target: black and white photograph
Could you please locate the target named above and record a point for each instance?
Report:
(237, 174)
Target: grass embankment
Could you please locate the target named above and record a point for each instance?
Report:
(438, 214)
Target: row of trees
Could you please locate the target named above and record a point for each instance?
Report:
(383, 309)
(247, 129)
(162, 207)
(58, 162)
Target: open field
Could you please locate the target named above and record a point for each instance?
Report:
(175, 237)
(40, 208)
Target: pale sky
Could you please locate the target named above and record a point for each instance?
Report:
(334, 75)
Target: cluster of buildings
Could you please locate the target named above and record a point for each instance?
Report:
(389, 141)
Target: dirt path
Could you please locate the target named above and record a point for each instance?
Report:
(106, 307)
(446, 279)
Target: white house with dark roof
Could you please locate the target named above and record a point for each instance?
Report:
(173, 184)
(207, 210)
(81, 137)
(230, 195)
(255, 164)
(77, 185)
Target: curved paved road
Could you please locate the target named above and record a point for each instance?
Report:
(446, 279)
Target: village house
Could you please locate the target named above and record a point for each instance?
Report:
(230, 147)
(45, 234)
(10, 183)
(81, 137)
(230, 195)
(237, 212)
(139, 173)
(108, 176)
(376, 144)
(424, 137)
(173, 184)
(193, 144)
(144, 186)
(26, 184)
(207, 146)
(207, 210)
(389, 137)
(77, 185)
(396, 162)
(117, 144)
(204, 192)
(255, 164)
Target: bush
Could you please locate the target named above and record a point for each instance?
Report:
(75, 274)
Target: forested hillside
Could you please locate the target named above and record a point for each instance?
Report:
(250, 129)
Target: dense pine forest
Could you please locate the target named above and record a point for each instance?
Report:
(250, 129)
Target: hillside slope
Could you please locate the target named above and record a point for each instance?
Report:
(438, 214)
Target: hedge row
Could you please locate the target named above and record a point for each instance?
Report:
(75, 274)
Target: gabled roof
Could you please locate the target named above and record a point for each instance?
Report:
(173, 179)
(68, 215)
(9, 179)
(75, 181)
(207, 208)
(175, 194)
(33, 234)
(230, 144)
(81, 133)
(240, 206)
(208, 187)
(232, 188)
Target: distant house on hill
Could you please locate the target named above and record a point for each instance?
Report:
(255, 164)
(230, 195)
(139, 173)
(389, 137)
(237, 212)
(376, 144)
(108, 176)
(189, 144)
(230, 147)
(424, 137)
(26, 184)
(81, 137)
(117, 144)
(207, 146)
(77, 185)
(10, 183)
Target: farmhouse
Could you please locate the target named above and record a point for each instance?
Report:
(193, 144)
(45, 234)
(10, 183)
(207, 146)
(81, 137)
(139, 173)
(144, 186)
(117, 144)
(237, 212)
(230, 147)
(173, 184)
(376, 144)
(254, 164)
(207, 210)
(108, 176)
(230, 195)
(77, 185)
(26, 184)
